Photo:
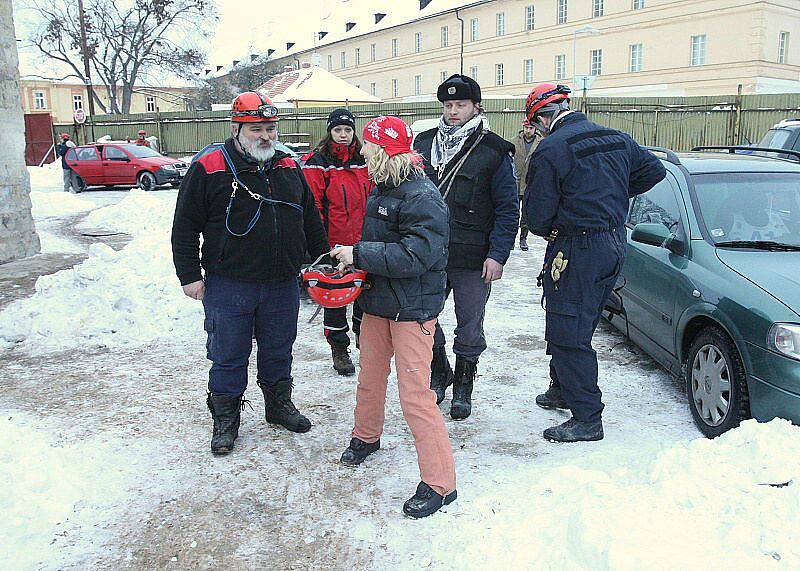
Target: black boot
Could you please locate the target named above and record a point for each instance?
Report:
(279, 408)
(226, 411)
(575, 431)
(441, 373)
(461, 406)
(358, 451)
(426, 502)
(341, 361)
(523, 240)
(552, 398)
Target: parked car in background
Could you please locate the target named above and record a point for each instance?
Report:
(783, 135)
(112, 164)
(711, 284)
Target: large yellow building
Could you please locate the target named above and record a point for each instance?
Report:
(629, 47)
(61, 99)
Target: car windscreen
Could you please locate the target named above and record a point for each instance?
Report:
(141, 152)
(775, 139)
(750, 206)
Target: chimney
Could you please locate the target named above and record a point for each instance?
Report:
(270, 52)
(423, 4)
(253, 57)
(289, 45)
(379, 17)
(349, 26)
(321, 35)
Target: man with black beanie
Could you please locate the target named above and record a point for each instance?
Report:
(473, 169)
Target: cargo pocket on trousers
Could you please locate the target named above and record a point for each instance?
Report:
(561, 319)
(208, 325)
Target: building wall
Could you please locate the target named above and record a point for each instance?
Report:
(741, 48)
(18, 237)
(58, 99)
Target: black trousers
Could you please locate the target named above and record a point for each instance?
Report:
(336, 326)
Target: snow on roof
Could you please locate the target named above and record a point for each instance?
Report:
(313, 84)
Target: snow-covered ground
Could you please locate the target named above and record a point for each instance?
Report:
(105, 462)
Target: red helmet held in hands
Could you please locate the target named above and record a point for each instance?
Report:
(331, 288)
(253, 107)
(544, 95)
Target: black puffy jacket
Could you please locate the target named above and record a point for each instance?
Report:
(404, 248)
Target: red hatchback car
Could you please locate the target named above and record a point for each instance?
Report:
(109, 164)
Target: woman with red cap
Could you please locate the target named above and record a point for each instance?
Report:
(403, 247)
(337, 174)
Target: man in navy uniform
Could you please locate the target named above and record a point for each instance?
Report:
(579, 183)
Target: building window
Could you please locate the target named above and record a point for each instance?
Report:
(638, 4)
(530, 18)
(394, 88)
(501, 24)
(373, 52)
(597, 62)
(39, 101)
(77, 102)
(473, 30)
(445, 36)
(372, 88)
(562, 11)
(150, 101)
(343, 57)
(444, 76)
(358, 56)
(499, 75)
(394, 47)
(597, 8)
(527, 71)
(473, 72)
(418, 42)
(783, 44)
(561, 66)
(699, 50)
(330, 62)
(417, 85)
(636, 57)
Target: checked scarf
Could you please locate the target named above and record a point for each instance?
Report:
(450, 139)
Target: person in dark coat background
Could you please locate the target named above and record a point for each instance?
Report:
(474, 170)
(580, 180)
(71, 182)
(337, 174)
(403, 247)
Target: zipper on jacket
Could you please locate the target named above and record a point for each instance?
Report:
(274, 213)
(344, 196)
(397, 297)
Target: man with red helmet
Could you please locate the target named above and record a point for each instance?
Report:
(257, 216)
(141, 141)
(71, 182)
(526, 142)
(578, 187)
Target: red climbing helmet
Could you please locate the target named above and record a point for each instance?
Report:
(331, 288)
(544, 97)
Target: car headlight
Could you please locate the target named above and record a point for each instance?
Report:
(170, 168)
(785, 338)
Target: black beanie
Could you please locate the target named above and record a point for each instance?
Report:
(341, 116)
(459, 87)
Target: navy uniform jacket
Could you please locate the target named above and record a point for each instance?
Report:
(582, 176)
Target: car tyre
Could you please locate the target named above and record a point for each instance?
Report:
(716, 383)
(147, 181)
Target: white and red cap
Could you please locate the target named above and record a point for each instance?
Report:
(390, 133)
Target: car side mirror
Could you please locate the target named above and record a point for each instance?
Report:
(655, 234)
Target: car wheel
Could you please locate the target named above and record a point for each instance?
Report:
(716, 383)
(147, 181)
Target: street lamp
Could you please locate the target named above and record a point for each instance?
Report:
(587, 29)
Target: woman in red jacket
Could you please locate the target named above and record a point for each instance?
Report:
(337, 174)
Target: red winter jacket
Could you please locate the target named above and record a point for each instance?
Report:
(341, 185)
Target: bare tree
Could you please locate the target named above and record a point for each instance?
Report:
(127, 42)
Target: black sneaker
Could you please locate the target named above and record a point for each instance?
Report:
(575, 431)
(426, 502)
(358, 451)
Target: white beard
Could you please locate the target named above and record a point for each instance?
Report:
(259, 153)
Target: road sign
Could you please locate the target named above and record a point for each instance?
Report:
(80, 116)
(583, 81)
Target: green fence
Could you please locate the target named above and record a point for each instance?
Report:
(676, 123)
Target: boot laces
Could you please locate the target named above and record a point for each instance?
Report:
(246, 402)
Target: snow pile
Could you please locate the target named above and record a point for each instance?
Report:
(47, 177)
(729, 502)
(56, 204)
(113, 298)
(52, 492)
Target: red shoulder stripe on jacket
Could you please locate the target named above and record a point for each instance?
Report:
(213, 162)
(287, 163)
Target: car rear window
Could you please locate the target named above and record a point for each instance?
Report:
(750, 206)
(87, 154)
(775, 139)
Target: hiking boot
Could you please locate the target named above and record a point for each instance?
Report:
(441, 373)
(523, 244)
(461, 406)
(358, 451)
(279, 408)
(341, 361)
(426, 502)
(552, 397)
(225, 411)
(575, 431)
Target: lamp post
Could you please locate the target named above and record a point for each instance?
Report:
(587, 29)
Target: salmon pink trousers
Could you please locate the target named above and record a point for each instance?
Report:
(411, 344)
